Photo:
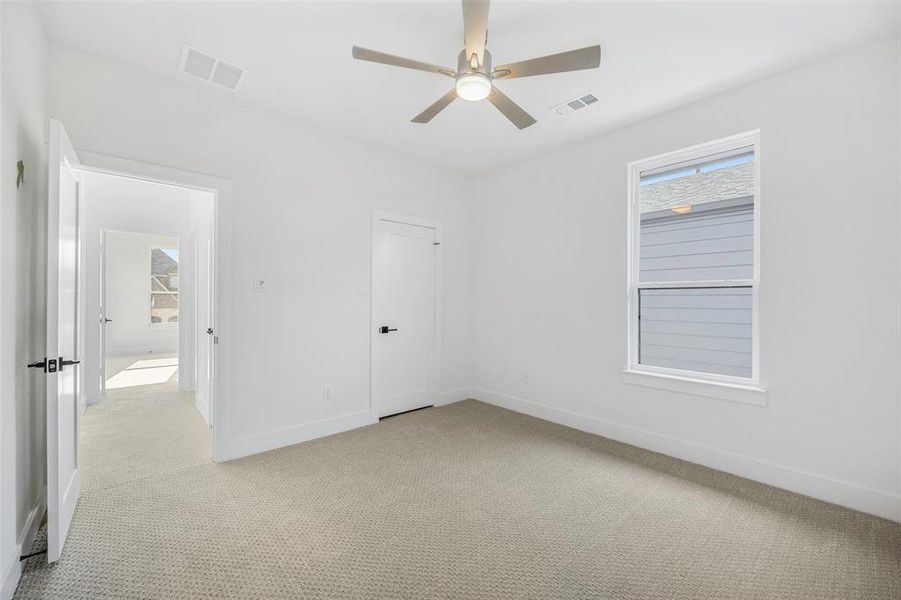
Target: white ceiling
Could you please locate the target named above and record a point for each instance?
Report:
(654, 56)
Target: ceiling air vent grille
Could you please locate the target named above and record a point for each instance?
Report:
(578, 103)
(209, 68)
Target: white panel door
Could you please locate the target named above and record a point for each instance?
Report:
(63, 483)
(404, 316)
(204, 270)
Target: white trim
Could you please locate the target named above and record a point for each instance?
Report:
(746, 394)
(296, 434)
(13, 571)
(379, 215)
(749, 139)
(221, 189)
(844, 493)
(451, 396)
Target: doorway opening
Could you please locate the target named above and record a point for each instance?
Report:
(148, 281)
(140, 284)
(147, 357)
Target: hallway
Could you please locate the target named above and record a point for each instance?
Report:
(138, 432)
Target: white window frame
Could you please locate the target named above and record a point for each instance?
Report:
(742, 389)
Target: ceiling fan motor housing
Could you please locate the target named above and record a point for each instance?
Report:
(465, 66)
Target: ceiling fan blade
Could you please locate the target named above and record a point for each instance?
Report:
(442, 103)
(475, 28)
(574, 60)
(398, 61)
(510, 109)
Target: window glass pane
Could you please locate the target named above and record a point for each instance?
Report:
(706, 330)
(697, 221)
(164, 285)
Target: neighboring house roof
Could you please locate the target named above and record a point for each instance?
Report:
(163, 271)
(161, 263)
(722, 184)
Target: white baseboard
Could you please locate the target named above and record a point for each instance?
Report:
(451, 396)
(32, 526)
(851, 495)
(138, 351)
(13, 569)
(278, 438)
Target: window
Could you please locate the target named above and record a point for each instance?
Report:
(693, 263)
(163, 286)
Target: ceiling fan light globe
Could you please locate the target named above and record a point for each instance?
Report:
(473, 86)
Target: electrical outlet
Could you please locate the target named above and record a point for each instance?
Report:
(525, 377)
(326, 393)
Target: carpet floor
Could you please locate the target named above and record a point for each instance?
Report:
(464, 501)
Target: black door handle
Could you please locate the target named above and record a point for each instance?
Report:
(209, 331)
(105, 320)
(63, 362)
(386, 329)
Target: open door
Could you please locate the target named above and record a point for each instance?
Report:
(104, 318)
(61, 364)
(205, 347)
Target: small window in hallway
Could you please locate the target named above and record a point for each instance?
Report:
(163, 286)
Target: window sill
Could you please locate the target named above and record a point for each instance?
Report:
(745, 394)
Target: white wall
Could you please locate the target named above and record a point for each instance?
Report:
(550, 285)
(128, 296)
(120, 204)
(22, 294)
(302, 215)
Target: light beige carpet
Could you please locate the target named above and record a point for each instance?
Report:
(465, 501)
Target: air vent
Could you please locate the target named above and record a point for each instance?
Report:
(570, 106)
(209, 68)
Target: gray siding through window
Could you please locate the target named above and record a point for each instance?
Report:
(696, 329)
(698, 246)
(706, 330)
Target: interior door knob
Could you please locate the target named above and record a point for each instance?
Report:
(386, 329)
(106, 320)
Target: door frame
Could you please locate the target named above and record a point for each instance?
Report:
(221, 190)
(379, 215)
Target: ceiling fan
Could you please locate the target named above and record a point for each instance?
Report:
(475, 76)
